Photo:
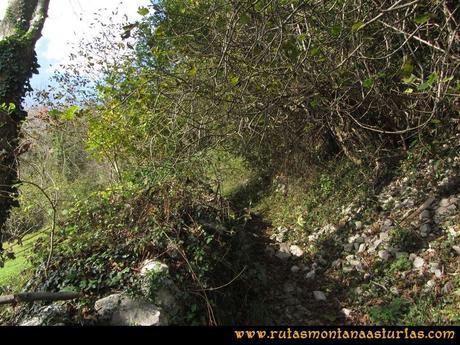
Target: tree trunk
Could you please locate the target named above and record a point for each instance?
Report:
(19, 31)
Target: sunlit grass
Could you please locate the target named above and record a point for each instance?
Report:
(13, 270)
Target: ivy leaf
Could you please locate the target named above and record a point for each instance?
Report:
(407, 68)
(54, 113)
(315, 51)
(143, 11)
(234, 80)
(70, 113)
(335, 31)
(192, 72)
(422, 19)
(357, 26)
(409, 80)
(432, 78)
(368, 83)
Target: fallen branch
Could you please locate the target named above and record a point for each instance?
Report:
(425, 205)
(38, 296)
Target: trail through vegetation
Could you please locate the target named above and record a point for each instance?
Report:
(245, 162)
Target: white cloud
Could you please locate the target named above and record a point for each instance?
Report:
(69, 21)
(3, 4)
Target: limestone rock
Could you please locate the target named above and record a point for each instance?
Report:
(311, 274)
(456, 249)
(282, 255)
(47, 316)
(319, 296)
(123, 310)
(296, 250)
(418, 262)
(295, 269)
(153, 266)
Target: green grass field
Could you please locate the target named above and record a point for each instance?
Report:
(13, 271)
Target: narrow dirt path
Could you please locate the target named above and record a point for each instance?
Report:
(284, 292)
(286, 296)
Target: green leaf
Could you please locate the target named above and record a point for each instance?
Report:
(335, 31)
(315, 51)
(70, 113)
(368, 83)
(143, 11)
(422, 19)
(407, 68)
(245, 19)
(234, 80)
(357, 26)
(409, 80)
(192, 72)
(432, 78)
(408, 91)
(9, 108)
(314, 103)
(423, 86)
(54, 113)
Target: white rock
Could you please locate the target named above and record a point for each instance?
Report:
(444, 202)
(346, 312)
(296, 250)
(437, 273)
(377, 243)
(418, 262)
(319, 295)
(153, 266)
(311, 274)
(46, 316)
(362, 248)
(384, 236)
(456, 249)
(33, 322)
(122, 310)
(386, 225)
(282, 255)
(394, 290)
(430, 284)
(358, 225)
(295, 269)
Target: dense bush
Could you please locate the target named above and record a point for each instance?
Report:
(286, 81)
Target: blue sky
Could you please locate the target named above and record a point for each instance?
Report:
(67, 23)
